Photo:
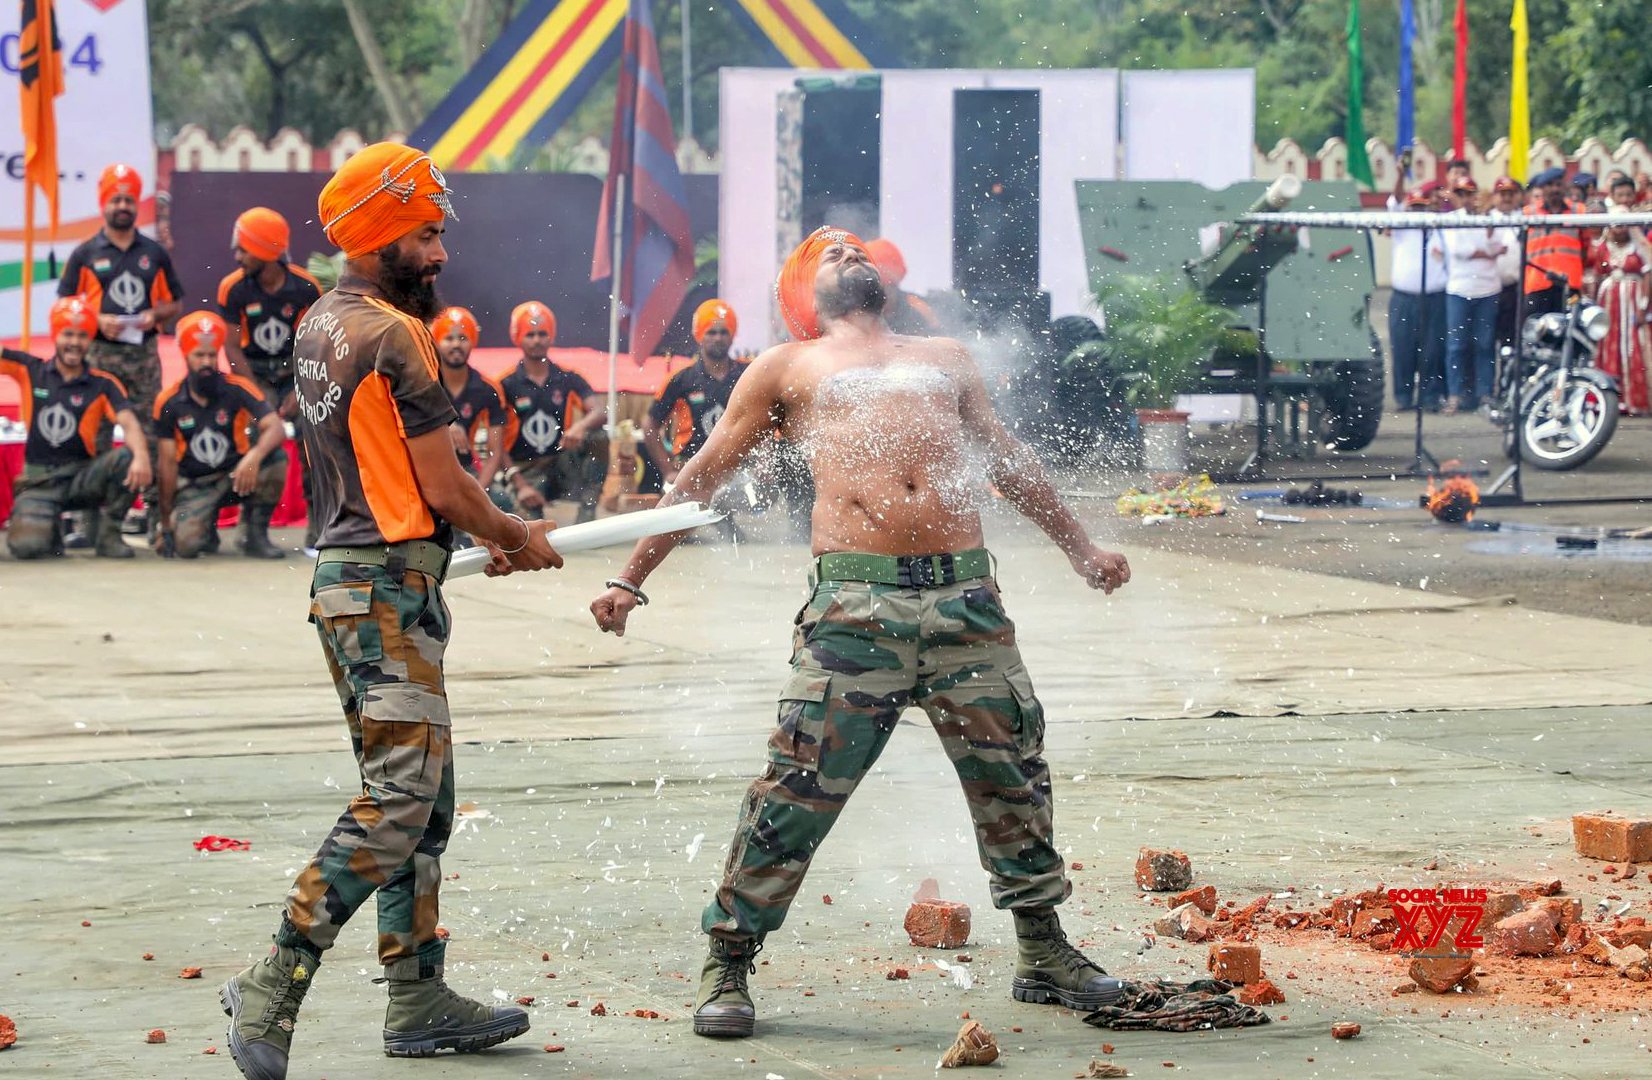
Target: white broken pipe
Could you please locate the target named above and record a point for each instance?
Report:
(1282, 191)
(621, 529)
(1286, 519)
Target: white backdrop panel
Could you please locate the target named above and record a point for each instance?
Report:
(1189, 125)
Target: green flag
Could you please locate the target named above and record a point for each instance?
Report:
(1359, 165)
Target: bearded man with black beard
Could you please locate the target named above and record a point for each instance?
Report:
(902, 611)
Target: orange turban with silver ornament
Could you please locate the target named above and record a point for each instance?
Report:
(379, 196)
(887, 257)
(795, 288)
(714, 311)
(531, 316)
(262, 233)
(201, 330)
(119, 179)
(73, 313)
(456, 318)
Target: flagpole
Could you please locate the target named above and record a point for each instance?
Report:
(688, 73)
(614, 304)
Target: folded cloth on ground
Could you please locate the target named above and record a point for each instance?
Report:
(1159, 1005)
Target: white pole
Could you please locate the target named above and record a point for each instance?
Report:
(619, 210)
(688, 74)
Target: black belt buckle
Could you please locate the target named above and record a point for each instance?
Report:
(924, 571)
(395, 562)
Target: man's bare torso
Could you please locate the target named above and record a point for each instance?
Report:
(881, 426)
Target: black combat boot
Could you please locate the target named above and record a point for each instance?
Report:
(724, 1007)
(1050, 971)
(262, 1004)
(255, 537)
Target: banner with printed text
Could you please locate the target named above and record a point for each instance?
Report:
(104, 115)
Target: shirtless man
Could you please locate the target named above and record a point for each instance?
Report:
(904, 611)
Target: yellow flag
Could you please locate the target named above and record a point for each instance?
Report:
(1520, 121)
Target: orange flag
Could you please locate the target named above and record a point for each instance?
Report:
(40, 81)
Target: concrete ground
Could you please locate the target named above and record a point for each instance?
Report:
(1333, 704)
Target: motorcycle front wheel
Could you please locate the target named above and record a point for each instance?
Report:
(1566, 433)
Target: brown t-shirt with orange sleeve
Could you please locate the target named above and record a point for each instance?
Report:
(367, 380)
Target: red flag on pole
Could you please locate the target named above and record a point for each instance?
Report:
(40, 81)
(1459, 92)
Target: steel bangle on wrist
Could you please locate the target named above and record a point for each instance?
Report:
(621, 583)
(527, 535)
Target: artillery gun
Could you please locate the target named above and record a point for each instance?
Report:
(1307, 353)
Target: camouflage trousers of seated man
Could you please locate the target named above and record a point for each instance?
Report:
(44, 492)
(576, 475)
(862, 654)
(199, 498)
(384, 637)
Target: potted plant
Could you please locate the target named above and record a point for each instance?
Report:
(1163, 334)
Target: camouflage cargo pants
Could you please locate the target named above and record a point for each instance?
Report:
(196, 505)
(862, 654)
(138, 367)
(44, 492)
(384, 641)
(576, 475)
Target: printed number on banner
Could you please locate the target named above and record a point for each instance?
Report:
(85, 54)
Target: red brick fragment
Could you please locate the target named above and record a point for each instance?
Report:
(190, 973)
(1344, 1030)
(544, 956)
(1235, 962)
(1370, 922)
(1441, 974)
(1612, 837)
(599, 1009)
(897, 973)
(645, 1014)
(155, 1037)
(8, 1031)
(1203, 898)
(525, 999)
(1163, 871)
(938, 924)
(1107, 1048)
(149, 956)
(552, 1049)
(1262, 992)
(1526, 933)
(210, 1050)
(826, 899)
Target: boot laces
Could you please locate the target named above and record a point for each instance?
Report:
(1067, 953)
(288, 996)
(736, 966)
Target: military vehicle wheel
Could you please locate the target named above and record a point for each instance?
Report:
(1353, 406)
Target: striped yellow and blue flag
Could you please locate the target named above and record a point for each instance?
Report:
(815, 34)
(657, 267)
(526, 84)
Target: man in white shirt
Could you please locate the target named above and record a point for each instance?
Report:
(1472, 286)
(1416, 309)
(1506, 195)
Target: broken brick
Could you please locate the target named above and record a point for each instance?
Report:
(1608, 836)
(190, 973)
(1633, 932)
(599, 1009)
(553, 1049)
(938, 924)
(1567, 911)
(1163, 871)
(1203, 898)
(1531, 932)
(8, 1031)
(1262, 992)
(1498, 906)
(1373, 921)
(974, 1046)
(1235, 962)
(155, 1037)
(1186, 923)
(1344, 1030)
(525, 999)
(897, 973)
(1441, 974)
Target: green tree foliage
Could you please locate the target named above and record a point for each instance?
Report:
(270, 63)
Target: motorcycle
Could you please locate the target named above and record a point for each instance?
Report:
(1561, 407)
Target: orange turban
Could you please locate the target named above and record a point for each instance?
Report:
(379, 196)
(531, 316)
(891, 266)
(73, 313)
(456, 318)
(713, 311)
(201, 330)
(262, 233)
(796, 287)
(118, 179)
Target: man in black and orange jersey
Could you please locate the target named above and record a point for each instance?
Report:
(129, 281)
(560, 450)
(264, 300)
(206, 459)
(691, 402)
(480, 402)
(389, 494)
(66, 404)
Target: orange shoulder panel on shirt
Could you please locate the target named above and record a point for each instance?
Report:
(165, 396)
(512, 424)
(91, 288)
(25, 388)
(245, 384)
(682, 426)
(107, 375)
(418, 331)
(229, 282)
(91, 422)
(385, 466)
(299, 271)
(243, 421)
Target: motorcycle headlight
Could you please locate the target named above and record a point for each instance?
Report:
(1550, 326)
(1594, 321)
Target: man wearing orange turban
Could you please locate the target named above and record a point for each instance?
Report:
(904, 612)
(480, 402)
(264, 300)
(388, 495)
(66, 406)
(206, 460)
(129, 281)
(905, 313)
(557, 446)
(691, 402)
